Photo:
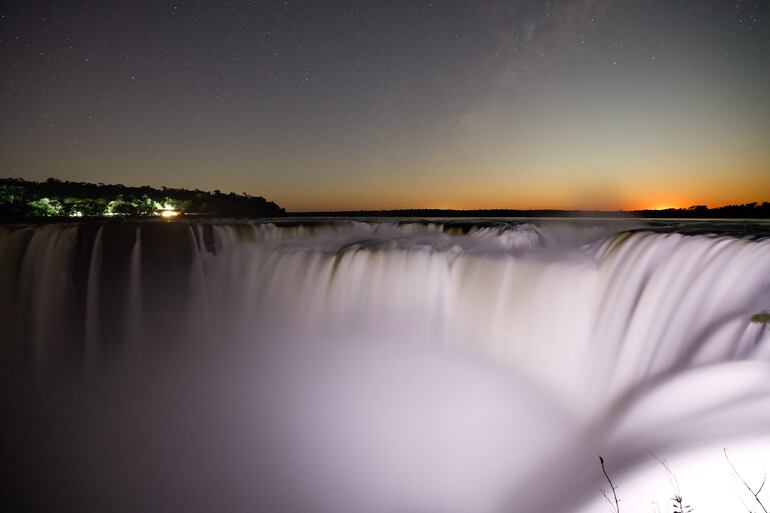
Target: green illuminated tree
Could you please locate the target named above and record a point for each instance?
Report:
(45, 207)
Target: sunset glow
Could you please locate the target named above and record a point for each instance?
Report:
(590, 104)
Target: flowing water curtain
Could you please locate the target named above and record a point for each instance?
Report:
(619, 331)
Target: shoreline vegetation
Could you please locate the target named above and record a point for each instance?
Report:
(23, 199)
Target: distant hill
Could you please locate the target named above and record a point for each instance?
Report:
(747, 211)
(54, 198)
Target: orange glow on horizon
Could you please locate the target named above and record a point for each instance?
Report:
(662, 204)
(497, 204)
(665, 206)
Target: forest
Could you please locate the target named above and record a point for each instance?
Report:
(55, 198)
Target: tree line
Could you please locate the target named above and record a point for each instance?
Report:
(55, 198)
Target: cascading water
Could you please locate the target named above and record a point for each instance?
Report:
(373, 366)
(92, 300)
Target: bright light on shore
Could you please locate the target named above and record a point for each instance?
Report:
(169, 213)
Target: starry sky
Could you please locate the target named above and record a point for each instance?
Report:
(395, 104)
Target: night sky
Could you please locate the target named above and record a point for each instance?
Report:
(394, 104)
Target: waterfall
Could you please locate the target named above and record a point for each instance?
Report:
(133, 325)
(93, 302)
(38, 285)
(614, 337)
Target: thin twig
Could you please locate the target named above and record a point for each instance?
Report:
(679, 505)
(748, 487)
(671, 476)
(616, 505)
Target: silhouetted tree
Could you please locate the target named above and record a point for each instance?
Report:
(22, 198)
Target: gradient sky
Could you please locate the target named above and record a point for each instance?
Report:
(393, 104)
